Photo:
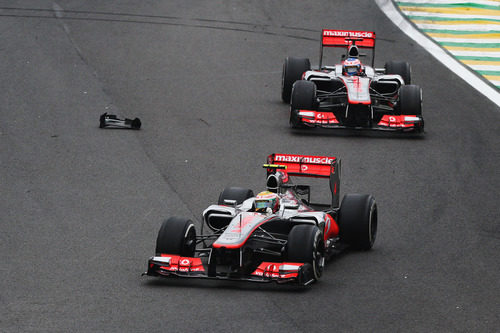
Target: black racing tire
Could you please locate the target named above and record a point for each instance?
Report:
(177, 236)
(293, 68)
(401, 68)
(239, 194)
(305, 245)
(303, 97)
(410, 100)
(358, 221)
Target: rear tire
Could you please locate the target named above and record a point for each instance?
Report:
(177, 236)
(358, 221)
(303, 98)
(305, 245)
(293, 68)
(239, 194)
(400, 68)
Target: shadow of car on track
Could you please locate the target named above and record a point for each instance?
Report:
(222, 284)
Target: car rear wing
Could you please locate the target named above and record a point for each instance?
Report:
(346, 38)
(308, 166)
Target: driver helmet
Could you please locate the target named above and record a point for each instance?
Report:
(352, 66)
(265, 200)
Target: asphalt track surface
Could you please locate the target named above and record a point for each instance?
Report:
(81, 206)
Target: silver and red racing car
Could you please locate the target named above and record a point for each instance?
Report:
(278, 235)
(351, 94)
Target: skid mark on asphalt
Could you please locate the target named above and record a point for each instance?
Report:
(469, 30)
(97, 16)
(247, 74)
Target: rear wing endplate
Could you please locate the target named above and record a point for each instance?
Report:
(308, 166)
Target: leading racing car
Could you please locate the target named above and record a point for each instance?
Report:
(351, 94)
(278, 235)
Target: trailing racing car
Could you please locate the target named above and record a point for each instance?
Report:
(277, 235)
(351, 94)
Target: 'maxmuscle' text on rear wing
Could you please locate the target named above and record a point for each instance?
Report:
(308, 166)
(305, 165)
(343, 38)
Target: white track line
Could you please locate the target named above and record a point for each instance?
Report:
(468, 40)
(453, 16)
(485, 68)
(465, 27)
(479, 2)
(468, 53)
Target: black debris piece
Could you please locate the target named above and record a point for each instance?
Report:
(112, 121)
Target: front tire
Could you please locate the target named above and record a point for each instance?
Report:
(293, 68)
(305, 245)
(177, 236)
(410, 100)
(358, 221)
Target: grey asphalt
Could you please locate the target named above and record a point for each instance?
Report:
(80, 206)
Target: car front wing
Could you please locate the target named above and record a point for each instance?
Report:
(167, 265)
(326, 119)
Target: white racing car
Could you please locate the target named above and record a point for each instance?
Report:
(278, 235)
(351, 94)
